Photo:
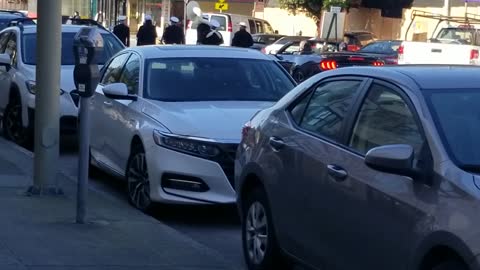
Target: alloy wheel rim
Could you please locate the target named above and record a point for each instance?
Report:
(13, 124)
(138, 184)
(256, 233)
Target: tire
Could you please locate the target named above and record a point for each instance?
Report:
(451, 265)
(273, 258)
(13, 128)
(298, 76)
(138, 184)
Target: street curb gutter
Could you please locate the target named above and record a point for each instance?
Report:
(167, 228)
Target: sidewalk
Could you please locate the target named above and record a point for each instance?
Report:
(39, 233)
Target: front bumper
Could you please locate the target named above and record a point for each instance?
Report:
(180, 178)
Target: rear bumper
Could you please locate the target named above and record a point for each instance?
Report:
(68, 124)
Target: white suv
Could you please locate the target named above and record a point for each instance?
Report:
(17, 79)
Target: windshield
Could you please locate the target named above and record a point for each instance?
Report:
(111, 47)
(456, 114)
(215, 79)
(387, 47)
(5, 21)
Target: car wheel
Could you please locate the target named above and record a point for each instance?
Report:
(13, 129)
(298, 76)
(138, 185)
(451, 265)
(260, 245)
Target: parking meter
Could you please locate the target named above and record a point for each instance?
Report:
(87, 46)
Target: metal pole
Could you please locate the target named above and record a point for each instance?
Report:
(47, 101)
(83, 160)
(447, 6)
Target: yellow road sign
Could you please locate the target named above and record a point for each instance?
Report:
(221, 6)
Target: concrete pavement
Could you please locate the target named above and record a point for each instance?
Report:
(40, 233)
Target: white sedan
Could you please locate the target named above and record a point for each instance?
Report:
(168, 119)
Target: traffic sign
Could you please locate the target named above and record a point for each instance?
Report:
(222, 6)
(335, 9)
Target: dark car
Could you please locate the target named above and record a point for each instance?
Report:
(364, 168)
(260, 41)
(323, 56)
(9, 16)
(355, 40)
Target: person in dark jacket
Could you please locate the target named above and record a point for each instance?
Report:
(122, 31)
(242, 38)
(213, 37)
(203, 29)
(147, 34)
(173, 33)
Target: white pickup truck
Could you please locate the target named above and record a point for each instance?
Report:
(453, 46)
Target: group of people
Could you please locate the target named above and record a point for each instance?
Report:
(207, 33)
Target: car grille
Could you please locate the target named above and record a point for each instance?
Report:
(75, 97)
(227, 161)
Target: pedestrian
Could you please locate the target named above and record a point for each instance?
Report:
(173, 34)
(76, 15)
(147, 34)
(242, 38)
(122, 31)
(214, 37)
(203, 28)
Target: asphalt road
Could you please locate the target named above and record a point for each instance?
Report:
(215, 227)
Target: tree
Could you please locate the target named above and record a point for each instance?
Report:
(312, 8)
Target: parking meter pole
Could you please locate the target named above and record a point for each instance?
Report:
(83, 161)
(47, 96)
(88, 43)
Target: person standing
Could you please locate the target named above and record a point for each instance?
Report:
(214, 37)
(76, 15)
(173, 34)
(242, 38)
(147, 34)
(122, 31)
(203, 29)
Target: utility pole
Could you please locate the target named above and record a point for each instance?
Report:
(447, 6)
(47, 101)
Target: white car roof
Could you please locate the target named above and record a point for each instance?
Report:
(173, 51)
(66, 28)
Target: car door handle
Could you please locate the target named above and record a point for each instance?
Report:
(276, 143)
(436, 50)
(337, 172)
(108, 103)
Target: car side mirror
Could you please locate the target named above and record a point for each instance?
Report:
(5, 61)
(394, 159)
(118, 91)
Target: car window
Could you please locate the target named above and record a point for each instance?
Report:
(268, 28)
(131, 73)
(327, 109)
(384, 119)
(11, 48)
(253, 28)
(114, 69)
(3, 41)
(222, 20)
(259, 27)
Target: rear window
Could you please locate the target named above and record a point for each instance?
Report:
(215, 79)
(222, 20)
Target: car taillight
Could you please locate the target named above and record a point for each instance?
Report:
(400, 50)
(328, 65)
(473, 54)
(378, 63)
(230, 26)
(189, 24)
(353, 48)
(391, 60)
(264, 51)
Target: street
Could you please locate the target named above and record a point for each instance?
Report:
(215, 227)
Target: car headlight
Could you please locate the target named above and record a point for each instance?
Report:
(32, 87)
(189, 146)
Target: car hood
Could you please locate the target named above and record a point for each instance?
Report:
(218, 120)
